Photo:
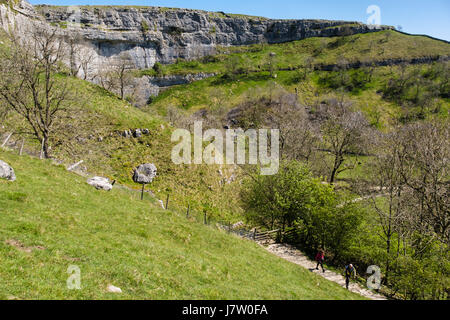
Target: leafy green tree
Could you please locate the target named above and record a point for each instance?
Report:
(295, 199)
(277, 201)
(234, 67)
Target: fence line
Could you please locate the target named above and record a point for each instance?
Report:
(201, 216)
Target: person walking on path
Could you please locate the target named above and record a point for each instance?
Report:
(349, 272)
(320, 258)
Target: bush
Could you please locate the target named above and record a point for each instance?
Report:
(210, 59)
(145, 27)
(158, 68)
(350, 80)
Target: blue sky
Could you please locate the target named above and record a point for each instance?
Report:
(431, 17)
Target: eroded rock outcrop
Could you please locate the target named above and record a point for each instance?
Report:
(153, 34)
(146, 35)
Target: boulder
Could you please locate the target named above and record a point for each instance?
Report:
(6, 172)
(114, 289)
(100, 183)
(137, 133)
(145, 173)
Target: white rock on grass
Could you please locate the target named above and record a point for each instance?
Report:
(114, 289)
(100, 183)
(6, 172)
(161, 203)
(238, 225)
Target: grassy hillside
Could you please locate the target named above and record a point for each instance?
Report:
(293, 68)
(91, 130)
(51, 219)
(377, 46)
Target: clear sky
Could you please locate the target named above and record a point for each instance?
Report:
(431, 17)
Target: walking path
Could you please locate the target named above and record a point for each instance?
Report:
(293, 255)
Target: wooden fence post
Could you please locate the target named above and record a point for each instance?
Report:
(187, 212)
(6, 140)
(72, 167)
(42, 150)
(167, 202)
(204, 219)
(254, 234)
(279, 236)
(21, 147)
(142, 192)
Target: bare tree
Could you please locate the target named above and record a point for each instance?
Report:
(86, 58)
(385, 179)
(80, 55)
(343, 134)
(122, 72)
(298, 137)
(30, 84)
(116, 75)
(271, 62)
(426, 173)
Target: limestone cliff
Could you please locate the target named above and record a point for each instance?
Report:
(146, 35)
(150, 34)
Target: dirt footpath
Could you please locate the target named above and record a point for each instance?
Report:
(293, 255)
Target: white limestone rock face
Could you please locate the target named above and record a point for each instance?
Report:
(6, 171)
(100, 183)
(151, 34)
(148, 35)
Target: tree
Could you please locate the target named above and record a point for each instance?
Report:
(31, 84)
(80, 56)
(86, 57)
(233, 66)
(426, 173)
(384, 174)
(279, 200)
(343, 134)
(116, 76)
(298, 137)
(271, 63)
(294, 199)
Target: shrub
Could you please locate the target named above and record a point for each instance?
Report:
(144, 26)
(158, 68)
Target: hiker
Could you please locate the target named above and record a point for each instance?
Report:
(349, 272)
(320, 258)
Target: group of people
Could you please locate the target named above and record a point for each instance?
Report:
(349, 270)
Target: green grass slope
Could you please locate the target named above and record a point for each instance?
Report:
(293, 64)
(51, 219)
(90, 131)
(376, 46)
